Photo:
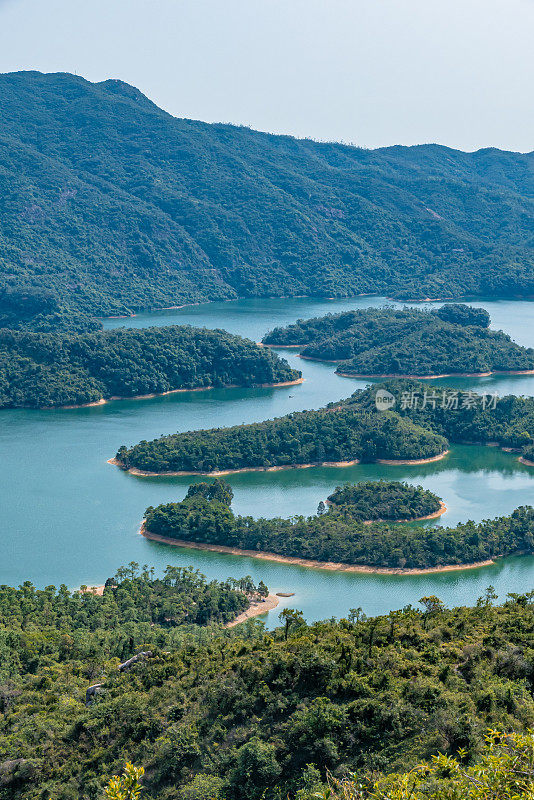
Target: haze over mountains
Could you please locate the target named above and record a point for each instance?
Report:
(113, 205)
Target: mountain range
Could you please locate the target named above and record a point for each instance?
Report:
(109, 205)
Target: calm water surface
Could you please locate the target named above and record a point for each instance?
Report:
(69, 517)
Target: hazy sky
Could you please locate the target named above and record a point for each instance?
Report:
(371, 72)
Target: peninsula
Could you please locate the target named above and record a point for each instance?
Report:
(336, 538)
(418, 427)
(389, 342)
(69, 369)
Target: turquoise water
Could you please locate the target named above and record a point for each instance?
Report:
(69, 517)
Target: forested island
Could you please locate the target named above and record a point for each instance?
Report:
(327, 436)
(340, 536)
(60, 369)
(451, 340)
(386, 501)
(135, 209)
(419, 426)
(88, 682)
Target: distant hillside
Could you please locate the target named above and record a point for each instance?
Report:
(112, 205)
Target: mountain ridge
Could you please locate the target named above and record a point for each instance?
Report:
(115, 205)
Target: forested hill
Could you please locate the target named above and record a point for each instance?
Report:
(243, 715)
(453, 339)
(419, 425)
(112, 204)
(57, 369)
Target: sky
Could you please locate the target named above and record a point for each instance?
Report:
(367, 72)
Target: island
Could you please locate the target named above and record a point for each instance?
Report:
(386, 501)
(336, 436)
(335, 539)
(418, 427)
(69, 369)
(452, 340)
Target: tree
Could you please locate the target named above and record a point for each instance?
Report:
(126, 786)
(263, 591)
(433, 606)
(256, 768)
(291, 618)
(504, 771)
(218, 490)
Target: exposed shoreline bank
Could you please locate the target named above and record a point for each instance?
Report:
(140, 473)
(525, 461)
(412, 462)
(103, 400)
(381, 376)
(431, 377)
(332, 566)
(144, 474)
(255, 609)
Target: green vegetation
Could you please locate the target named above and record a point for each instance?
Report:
(387, 341)
(419, 426)
(40, 310)
(461, 417)
(119, 206)
(181, 597)
(305, 437)
(340, 535)
(385, 500)
(528, 453)
(503, 771)
(243, 715)
(55, 369)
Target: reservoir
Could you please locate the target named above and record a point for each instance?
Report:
(69, 517)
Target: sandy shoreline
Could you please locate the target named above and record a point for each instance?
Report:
(525, 461)
(405, 461)
(381, 376)
(332, 566)
(144, 474)
(98, 590)
(439, 513)
(432, 377)
(102, 400)
(140, 473)
(255, 610)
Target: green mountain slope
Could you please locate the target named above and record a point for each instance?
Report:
(115, 205)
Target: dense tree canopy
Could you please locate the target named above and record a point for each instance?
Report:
(243, 715)
(385, 500)
(419, 425)
(119, 206)
(390, 341)
(502, 771)
(54, 369)
(179, 597)
(462, 417)
(342, 536)
(327, 435)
